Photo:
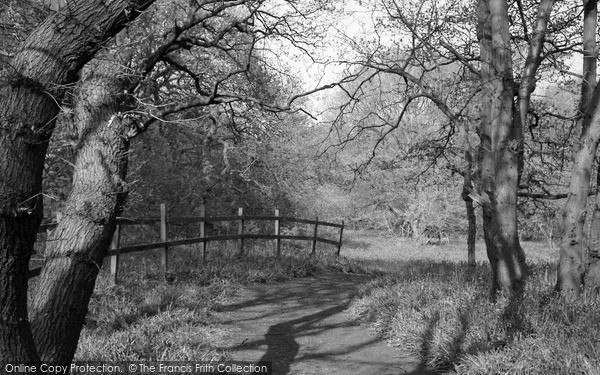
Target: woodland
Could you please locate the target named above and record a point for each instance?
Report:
(432, 120)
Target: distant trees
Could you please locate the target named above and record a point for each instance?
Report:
(480, 65)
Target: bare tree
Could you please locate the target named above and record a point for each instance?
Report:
(205, 57)
(499, 89)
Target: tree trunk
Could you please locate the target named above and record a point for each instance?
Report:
(500, 136)
(471, 231)
(573, 261)
(485, 155)
(573, 247)
(590, 54)
(49, 58)
(470, 208)
(22, 152)
(83, 235)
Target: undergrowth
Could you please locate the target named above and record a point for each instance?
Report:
(151, 316)
(441, 312)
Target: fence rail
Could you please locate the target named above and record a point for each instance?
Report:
(164, 244)
(123, 221)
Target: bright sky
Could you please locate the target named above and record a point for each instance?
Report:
(345, 30)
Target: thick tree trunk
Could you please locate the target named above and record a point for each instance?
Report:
(50, 57)
(500, 136)
(486, 155)
(573, 261)
(83, 235)
(22, 152)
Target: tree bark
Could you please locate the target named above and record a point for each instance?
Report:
(506, 254)
(83, 235)
(574, 257)
(485, 156)
(48, 59)
(500, 139)
(471, 218)
(501, 133)
(534, 59)
(468, 184)
(22, 152)
(590, 54)
(573, 248)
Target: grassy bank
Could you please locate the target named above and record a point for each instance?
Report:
(147, 317)
(437, 308)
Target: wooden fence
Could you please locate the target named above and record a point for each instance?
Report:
(165, 245)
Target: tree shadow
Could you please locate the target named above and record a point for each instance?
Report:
(512, 318)
(318, 303)
(309, 292)
(280, 339)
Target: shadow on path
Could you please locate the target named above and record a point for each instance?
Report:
(301, 326)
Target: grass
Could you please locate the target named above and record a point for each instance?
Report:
(150, 318)
(389, 254)
(425, 300)
(429, 303)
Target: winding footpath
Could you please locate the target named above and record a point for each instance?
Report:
(302, 327)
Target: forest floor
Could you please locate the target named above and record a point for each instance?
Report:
(302, 327)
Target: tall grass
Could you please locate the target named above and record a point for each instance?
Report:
(440, 311)
(148, 316)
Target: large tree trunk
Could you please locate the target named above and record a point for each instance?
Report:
(505, 253)
(78, 245)
(573, 262)
(573, 246)
(500, 136)
(485, 154)
(23, 143)
(49, 58)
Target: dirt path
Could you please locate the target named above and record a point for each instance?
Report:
(301, 325)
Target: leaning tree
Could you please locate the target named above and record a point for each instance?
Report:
(176, 59)
(40, 71)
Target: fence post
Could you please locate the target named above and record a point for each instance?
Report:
(203, 233)
(340, 242)
(114, 259)
(314, 243)
(277, 232)
(164, 259)
(241, 232)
